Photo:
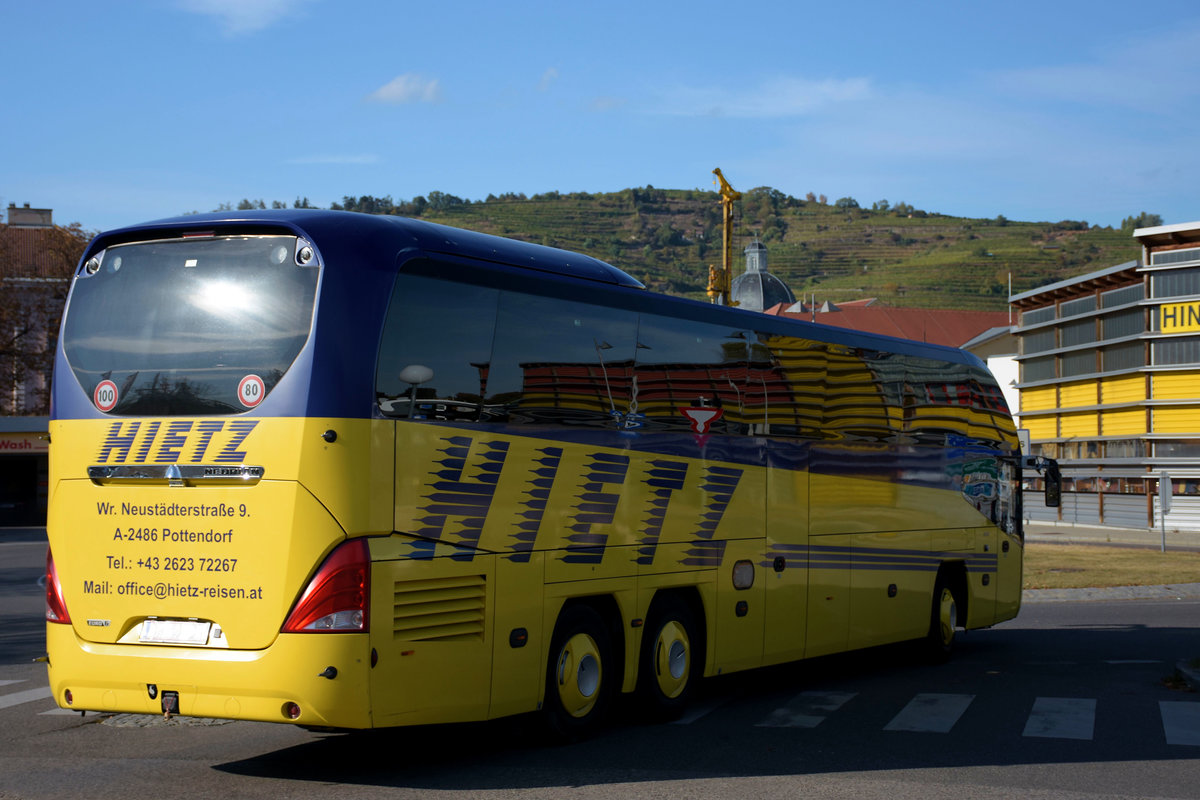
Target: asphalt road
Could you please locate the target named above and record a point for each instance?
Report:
(1067, 701)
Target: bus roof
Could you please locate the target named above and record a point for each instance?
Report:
(384, 236)
(427, 236)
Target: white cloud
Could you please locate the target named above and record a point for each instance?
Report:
(1158, 74)
(548, 78)
(346, 159)
(606, 103)
(776, 98)
(408, 88)
(245, 16)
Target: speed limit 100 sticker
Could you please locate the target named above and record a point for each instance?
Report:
(251, 391)
(105, 396)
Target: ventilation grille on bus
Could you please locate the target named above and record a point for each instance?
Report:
(439, 609)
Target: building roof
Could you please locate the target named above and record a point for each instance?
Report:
(758, 290)
(991, 334)
(930, 325)
(1100, 279)
(1179, 233)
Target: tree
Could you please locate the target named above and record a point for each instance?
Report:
(880, 205)
(1142, 220)
(846, 203)
(440, 201)
(35, 272)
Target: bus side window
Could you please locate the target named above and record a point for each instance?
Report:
(560, 362)
(437, 342)
(683, 364)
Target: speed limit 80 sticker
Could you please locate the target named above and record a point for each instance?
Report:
(251, 391)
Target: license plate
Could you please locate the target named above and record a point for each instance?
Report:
(174, 631)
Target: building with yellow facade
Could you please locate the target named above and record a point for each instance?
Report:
(1110, 383)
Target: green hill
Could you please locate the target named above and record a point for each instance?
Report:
(902, 255)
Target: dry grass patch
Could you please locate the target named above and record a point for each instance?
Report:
(1065, 566)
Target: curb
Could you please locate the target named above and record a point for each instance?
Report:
(1178, 591)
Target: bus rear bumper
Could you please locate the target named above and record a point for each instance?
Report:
(225, 684)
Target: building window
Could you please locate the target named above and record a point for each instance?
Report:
(1125, 448)
(1176, 351)
(1177, 448)
(1038, 342)
(1123, 356)
(1124, 323)
(1122, 296)
(1038, 369)
(1175, 256)
(1176, 283)
(1073, 308)
(1037, 315)
(1079, 450)
(1078, 364)
(1082, 332)
(1046, 449)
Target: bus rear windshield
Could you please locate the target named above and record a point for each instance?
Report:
(193, 326)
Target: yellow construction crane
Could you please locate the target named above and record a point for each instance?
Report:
(720, 280)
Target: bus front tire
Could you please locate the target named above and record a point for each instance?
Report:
(668, 669)
(579, 674)
(943, 620)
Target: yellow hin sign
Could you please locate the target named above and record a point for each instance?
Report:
(1180, 317)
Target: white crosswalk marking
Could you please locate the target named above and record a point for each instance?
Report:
(27, 696)
(1181, 722)
(1062, 718)
(697, 710)
(10, 683)
(931, 713)
(806, 710)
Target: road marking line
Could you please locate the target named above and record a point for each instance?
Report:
(931, 713)
(698, 710)
(10, 682)
(1134, 661)
(27, 696)
(1181, 721)
(1062, 718)
(59, 711)
(806, 710)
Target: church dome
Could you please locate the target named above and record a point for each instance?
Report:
(756, 289)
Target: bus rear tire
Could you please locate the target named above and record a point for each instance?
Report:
(943, 621)
(668, 671)
(579, 674)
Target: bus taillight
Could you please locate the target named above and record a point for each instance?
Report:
(56, 606)
(335, 600)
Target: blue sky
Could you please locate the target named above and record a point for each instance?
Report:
(123, 111)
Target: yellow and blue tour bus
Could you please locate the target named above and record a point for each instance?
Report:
(352, 471)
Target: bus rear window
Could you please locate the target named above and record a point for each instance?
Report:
(194, 326)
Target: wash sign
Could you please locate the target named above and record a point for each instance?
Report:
(1179, 317)
(23, 443)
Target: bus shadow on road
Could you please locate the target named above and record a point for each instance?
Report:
(1001, 672)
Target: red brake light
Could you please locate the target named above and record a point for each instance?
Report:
(336, 599)
(56, 606)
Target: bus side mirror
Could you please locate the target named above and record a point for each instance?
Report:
(1053, 485)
